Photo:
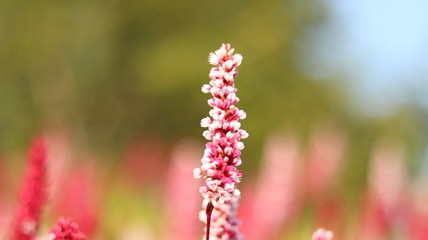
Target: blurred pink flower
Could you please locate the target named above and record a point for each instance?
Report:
(79, 198)
(58, 140)
(322, 234)
(33, 193)
(416, 211)
(65, 229)
(324, 162)
(373, 223)
(182, 198)
(330, 212)
(277, 193)
(142, 159)
(417, 222)
(387, 174)
(222, 154)
(325, 157)
(382, 207)
(73, 190)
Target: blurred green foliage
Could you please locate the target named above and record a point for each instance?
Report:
(112, 70)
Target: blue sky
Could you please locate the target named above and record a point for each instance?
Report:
(382, 46)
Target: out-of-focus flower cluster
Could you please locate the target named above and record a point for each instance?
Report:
(66, 229)
(285, 190)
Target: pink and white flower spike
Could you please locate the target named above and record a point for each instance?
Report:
(322, 234)
(222, 153)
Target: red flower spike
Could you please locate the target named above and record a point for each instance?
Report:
(33, 194)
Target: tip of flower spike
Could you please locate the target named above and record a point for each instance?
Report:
(223, 54)
(38, 150)
(65, 229)
(322, 234)
(226, 47)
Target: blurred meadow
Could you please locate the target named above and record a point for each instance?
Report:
(114, 87)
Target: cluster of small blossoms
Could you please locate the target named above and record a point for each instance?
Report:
(322, 234)
(222, 153)
(65, 229)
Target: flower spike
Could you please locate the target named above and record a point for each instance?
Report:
(222, 154)
(33, 193)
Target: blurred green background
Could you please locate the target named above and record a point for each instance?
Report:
(112, 71)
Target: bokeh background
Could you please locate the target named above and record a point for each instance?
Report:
(334, 90)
